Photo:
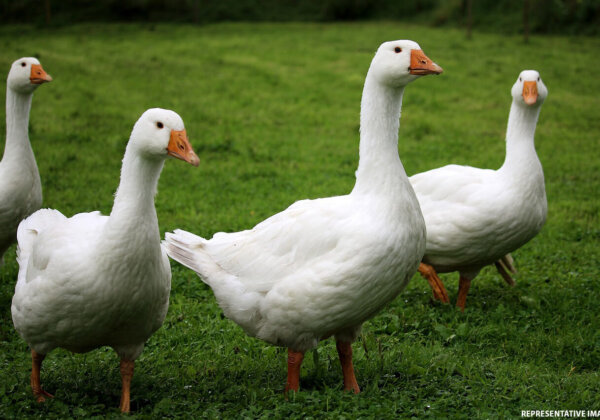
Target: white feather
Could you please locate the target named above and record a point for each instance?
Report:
(20, 185)
(475, 216)
(92, 280)
(323, 267)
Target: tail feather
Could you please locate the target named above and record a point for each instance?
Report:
(186, 249)
(30, 228)
(179, 252)
(27, 233)
(237, 303)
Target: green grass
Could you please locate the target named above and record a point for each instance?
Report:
(272, 110)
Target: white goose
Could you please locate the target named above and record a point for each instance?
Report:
(20, 185)
(323, 267)
(92, 280)
(474, 216)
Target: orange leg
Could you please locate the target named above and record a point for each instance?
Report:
(344, 349)
(126, 375)
(463, 289)
(36, 365)
(294, 363)
(439, 291)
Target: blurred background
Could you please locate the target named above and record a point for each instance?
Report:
(272, 109)
(580, 17)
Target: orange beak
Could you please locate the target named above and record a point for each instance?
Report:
(38, 75)
(179, 147)
(530, 92)
(421, 65)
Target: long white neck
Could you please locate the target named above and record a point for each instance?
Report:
(133, 211)
(18, 106)
(521, 157)
(379, 169)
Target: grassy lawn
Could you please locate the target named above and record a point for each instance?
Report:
(272, 110)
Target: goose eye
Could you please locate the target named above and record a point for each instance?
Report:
(538, 79)
(398, 49)
(23, 64)
(520, 80)
(159, 124)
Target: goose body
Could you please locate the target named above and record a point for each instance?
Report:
(323, 267)
(93, 280)
(20, 184)
(475, 217)
(310, 271)
(77, 280)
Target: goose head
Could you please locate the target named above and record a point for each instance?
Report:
(26, 74)
(160, 133)
(529, 89)
(397, 63)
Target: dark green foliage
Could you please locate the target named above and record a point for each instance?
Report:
(504, 16)
(273, 111)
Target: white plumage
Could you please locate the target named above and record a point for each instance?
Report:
(84, 284)
(20, 185)
(92, 280)
(323, 267)
(320, 267)
(475, 216)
